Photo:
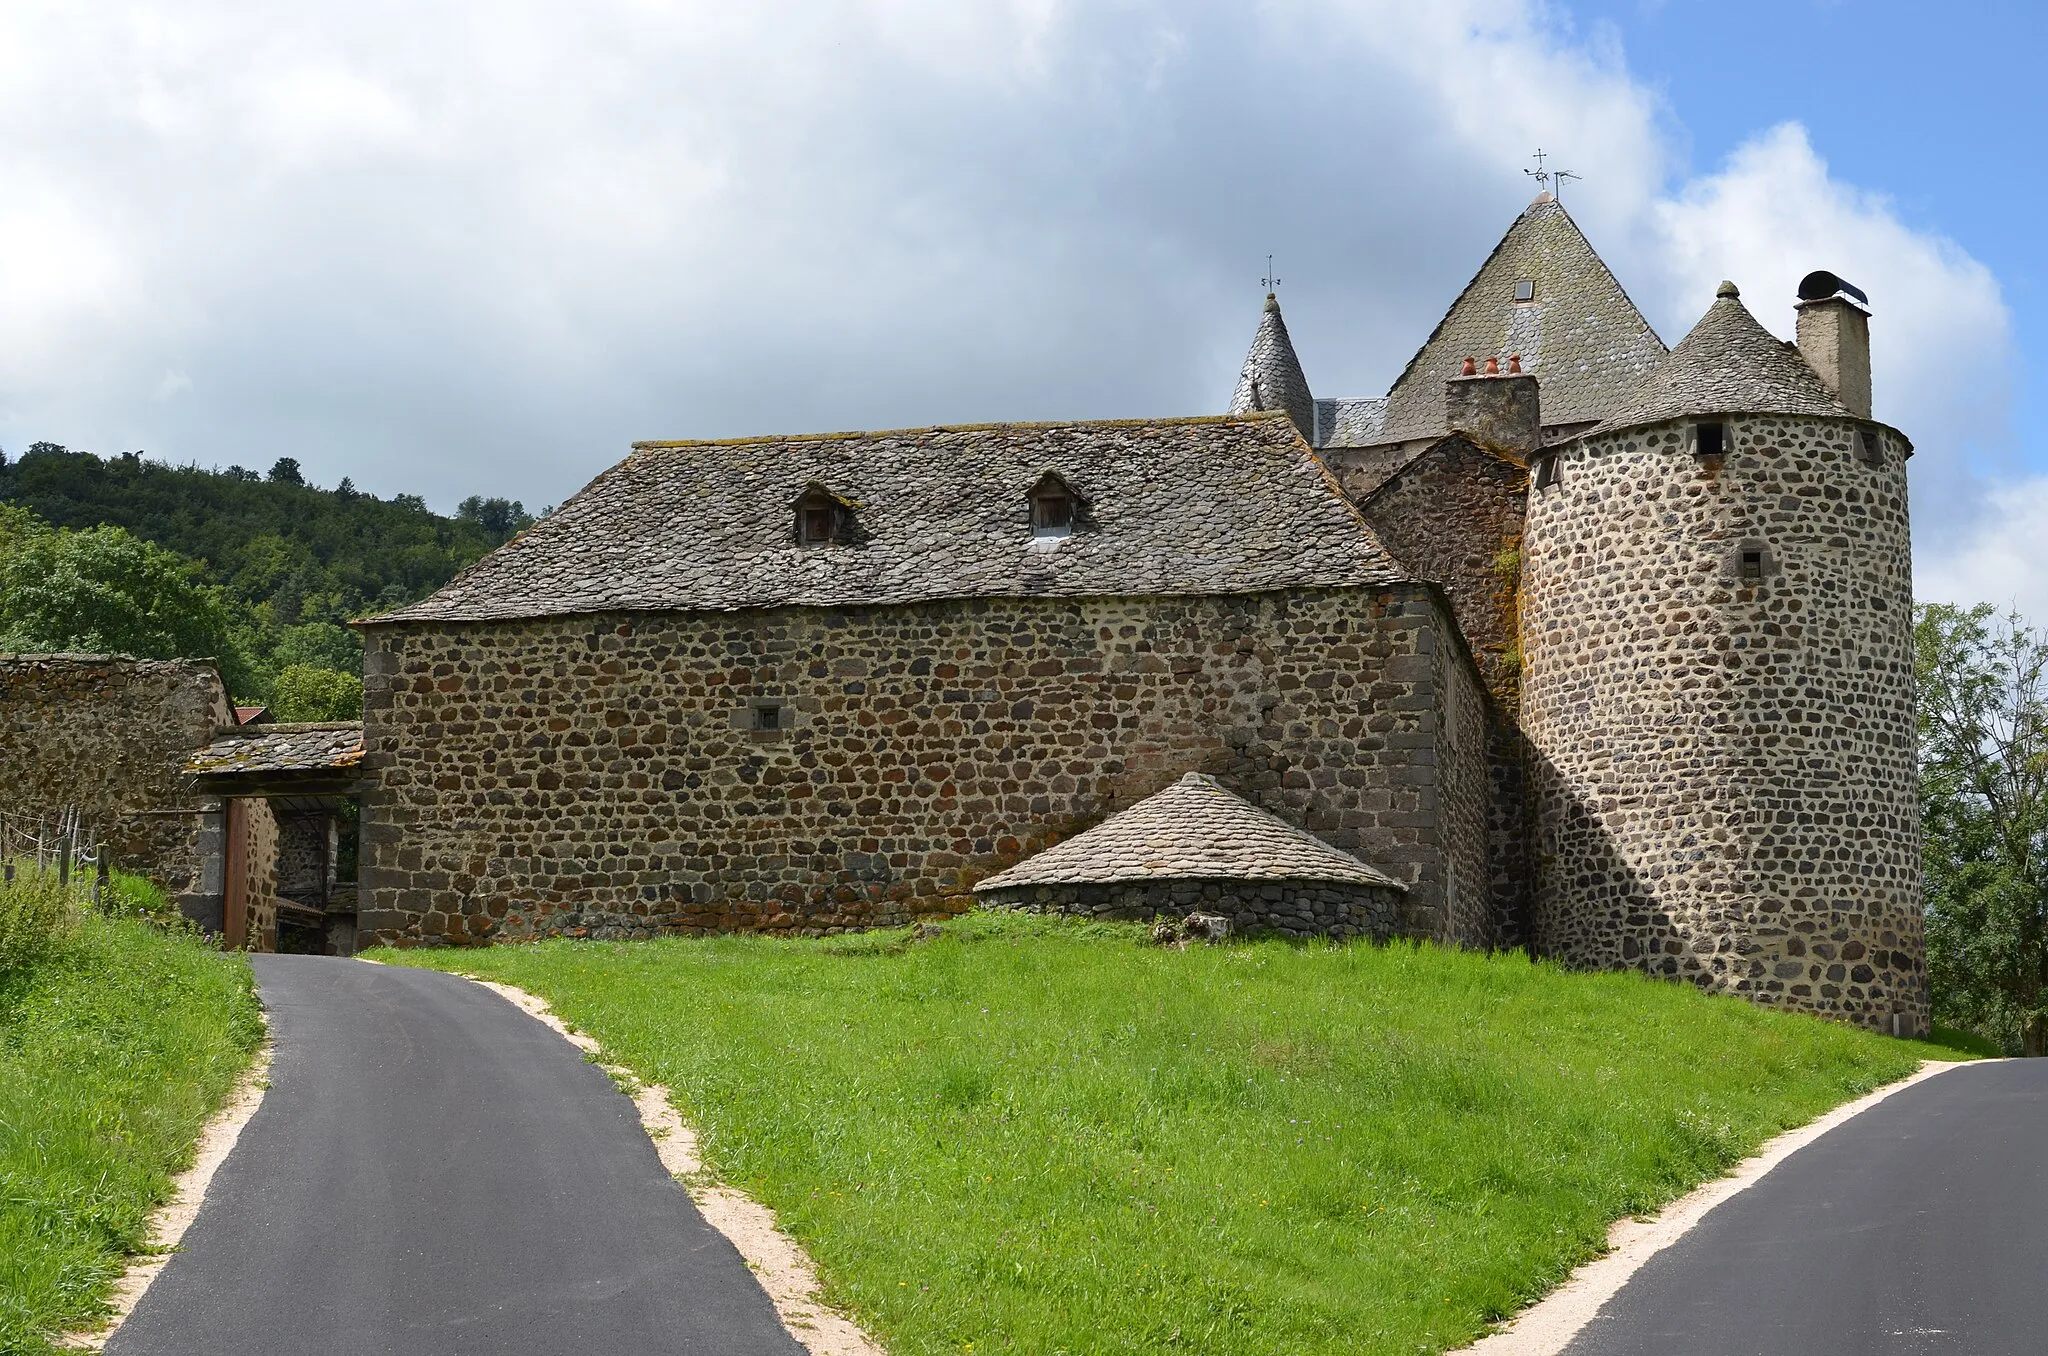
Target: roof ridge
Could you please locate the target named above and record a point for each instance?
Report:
(1034, 425)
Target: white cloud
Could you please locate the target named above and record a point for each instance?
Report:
(476, 247)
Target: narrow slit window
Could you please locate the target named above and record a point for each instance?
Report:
(1546, 471)
(1752, 566)
(1868, 450)
(1709, 440)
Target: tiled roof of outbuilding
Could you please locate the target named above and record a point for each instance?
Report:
(1218, 504)
(1271, 378)
(1193, 830)
(1580, 334)
(281, 748)
(1730, 364)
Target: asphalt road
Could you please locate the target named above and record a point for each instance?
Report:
(433, 1172)
(1920, 1226)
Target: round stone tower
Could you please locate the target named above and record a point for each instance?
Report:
(1718, 677)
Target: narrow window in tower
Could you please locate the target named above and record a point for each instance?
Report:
(1752, 563)
(1709, 440)
(767, 717)
(1868, 450)
(1546, 470)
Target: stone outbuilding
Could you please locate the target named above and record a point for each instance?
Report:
(1195, 846)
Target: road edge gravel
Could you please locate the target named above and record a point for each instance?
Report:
(1548, 1326)
(169, 1221)
(778, 1261)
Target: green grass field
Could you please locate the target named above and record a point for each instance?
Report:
(1034, 1136)
(117, 1039)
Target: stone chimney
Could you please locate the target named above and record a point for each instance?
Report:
(1834, 337)
(1496, 409)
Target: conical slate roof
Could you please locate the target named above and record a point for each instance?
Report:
(1193, 830)
(1272, 378)
(1730, 364)
(1579, 333)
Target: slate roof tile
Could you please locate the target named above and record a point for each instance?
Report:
(1729, 364)
(1217, 504)
(1580, 335)
(1193, 830)
(1271, 378)
(281, 748)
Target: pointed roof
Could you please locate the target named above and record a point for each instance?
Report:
(1730, 364)
(1579, 333)
(1193, 830)
(1272, 378)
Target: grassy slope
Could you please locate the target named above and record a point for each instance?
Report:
(1046, 1137)
(113, 1050)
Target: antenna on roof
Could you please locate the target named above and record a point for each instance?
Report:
(1560, 177)
(1269, 282)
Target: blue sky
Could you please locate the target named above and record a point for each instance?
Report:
(478, 246)
(1938, 107)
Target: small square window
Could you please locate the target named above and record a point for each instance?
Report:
(817, 523)
(1868, 450)
(1709, 440)
(1052, 511)
(1546, 470)
(1525, 290)
(767, 717)
(1752, 566)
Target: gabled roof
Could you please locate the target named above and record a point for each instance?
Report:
(1580, 334)
(1229, 504)
(1730, 364)
(1271, 378)
(1193, 830)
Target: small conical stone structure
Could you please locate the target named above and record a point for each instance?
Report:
(1197, 847)
(1272, 378)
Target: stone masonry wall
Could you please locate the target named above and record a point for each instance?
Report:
(1468, 912)
(1293, 908)
(109, 735)
(601, 776)
(1725, 767)
(256, 891)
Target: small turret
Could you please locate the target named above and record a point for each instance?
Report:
(1272, 378)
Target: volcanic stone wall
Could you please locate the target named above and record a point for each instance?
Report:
(1290, 908)
(109, 735)
(1723, 765)
(606, 776)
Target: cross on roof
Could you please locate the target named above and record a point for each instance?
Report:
(1552, 180)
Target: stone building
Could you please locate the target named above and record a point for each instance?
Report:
(1579, 643)
(108, 737)
(815, 683)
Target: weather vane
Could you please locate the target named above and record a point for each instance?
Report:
(1269, 282)
(1552, 180)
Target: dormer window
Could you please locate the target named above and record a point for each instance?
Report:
(1053, 504)
(1525, 290)
(821, 516)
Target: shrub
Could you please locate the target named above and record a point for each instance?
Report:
(304, 693)
(35, 912)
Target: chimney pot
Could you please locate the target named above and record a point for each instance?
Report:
(1834, 338)
(1493, 367)
(1471, 369)
(1514, 364)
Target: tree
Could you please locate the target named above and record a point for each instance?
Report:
(285, 471)
(104, 591)
(499, 517)
(305, 693)
(1983, 719)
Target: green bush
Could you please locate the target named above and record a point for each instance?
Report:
(304, 693)
(35, 912)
